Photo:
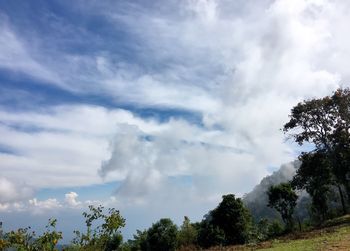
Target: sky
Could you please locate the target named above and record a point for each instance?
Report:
(155, 108)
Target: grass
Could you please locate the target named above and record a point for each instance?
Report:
(332, 235)
(326, 239)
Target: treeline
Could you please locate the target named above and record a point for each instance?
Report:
(229, 223)
(323, 125)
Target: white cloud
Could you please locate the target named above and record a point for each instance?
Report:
(71, 199)
(11, 191)
(205, 156)
(38, 206)
(14, 55)
(48, 204)
(241, 65)
(252, 68)
(60, 147)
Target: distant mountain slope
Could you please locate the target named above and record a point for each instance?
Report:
(257, 199)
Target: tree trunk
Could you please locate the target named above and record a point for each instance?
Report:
(342, 199)
(299, 223)
(347, 188)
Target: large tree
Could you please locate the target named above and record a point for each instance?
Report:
(162, 236)
(209, 235)
(233, 218)
(315, 176)
(341, 139)
(283, 198)
(325, 123)
(187, 234)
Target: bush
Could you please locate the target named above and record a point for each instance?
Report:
(210, 235)
(275, 229)
(162, 236)
(104, 237)
(234, 219)
(187, 234)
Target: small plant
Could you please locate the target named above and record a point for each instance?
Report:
(50, 238)
(23, 239)
(103, 237)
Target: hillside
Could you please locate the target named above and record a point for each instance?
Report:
(257, 199)
(333, 235)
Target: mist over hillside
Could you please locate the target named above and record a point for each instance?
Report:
(257, 199)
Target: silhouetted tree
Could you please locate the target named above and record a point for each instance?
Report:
(325, 122)
(162, 236)
(209, 234)
(233, 218)
(315, 176)
(283, 198)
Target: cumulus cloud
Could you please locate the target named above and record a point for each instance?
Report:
(149, 162)
(32, 205)
(48, 204)
(71, 199)
(62, 146)
(11, 191)
(254, 62)
(40, 206)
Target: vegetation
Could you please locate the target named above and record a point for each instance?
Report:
(314, 175)
(335, 237)
(233, 219)
(162, 236)
(323, 123)
(106, 236)
(187, 234)
(283, 198)
(24, 239)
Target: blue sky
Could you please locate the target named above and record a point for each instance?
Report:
(156, 108)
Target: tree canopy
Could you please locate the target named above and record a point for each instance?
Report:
(283, 198)
(233, 218)
(162, 236)
(325, 123)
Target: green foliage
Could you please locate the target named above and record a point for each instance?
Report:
(210, 235)
(229, 223)
(139, 243)
(325, 122)
(232, 217)
(49, 239)
(315, 119)
(283, 198)
(105, 236)
(259, 231)
(162, 236)
(22, 239)
(25, 240)
(265, 230)
(274, 229)
(187, 234)
(315, 176)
